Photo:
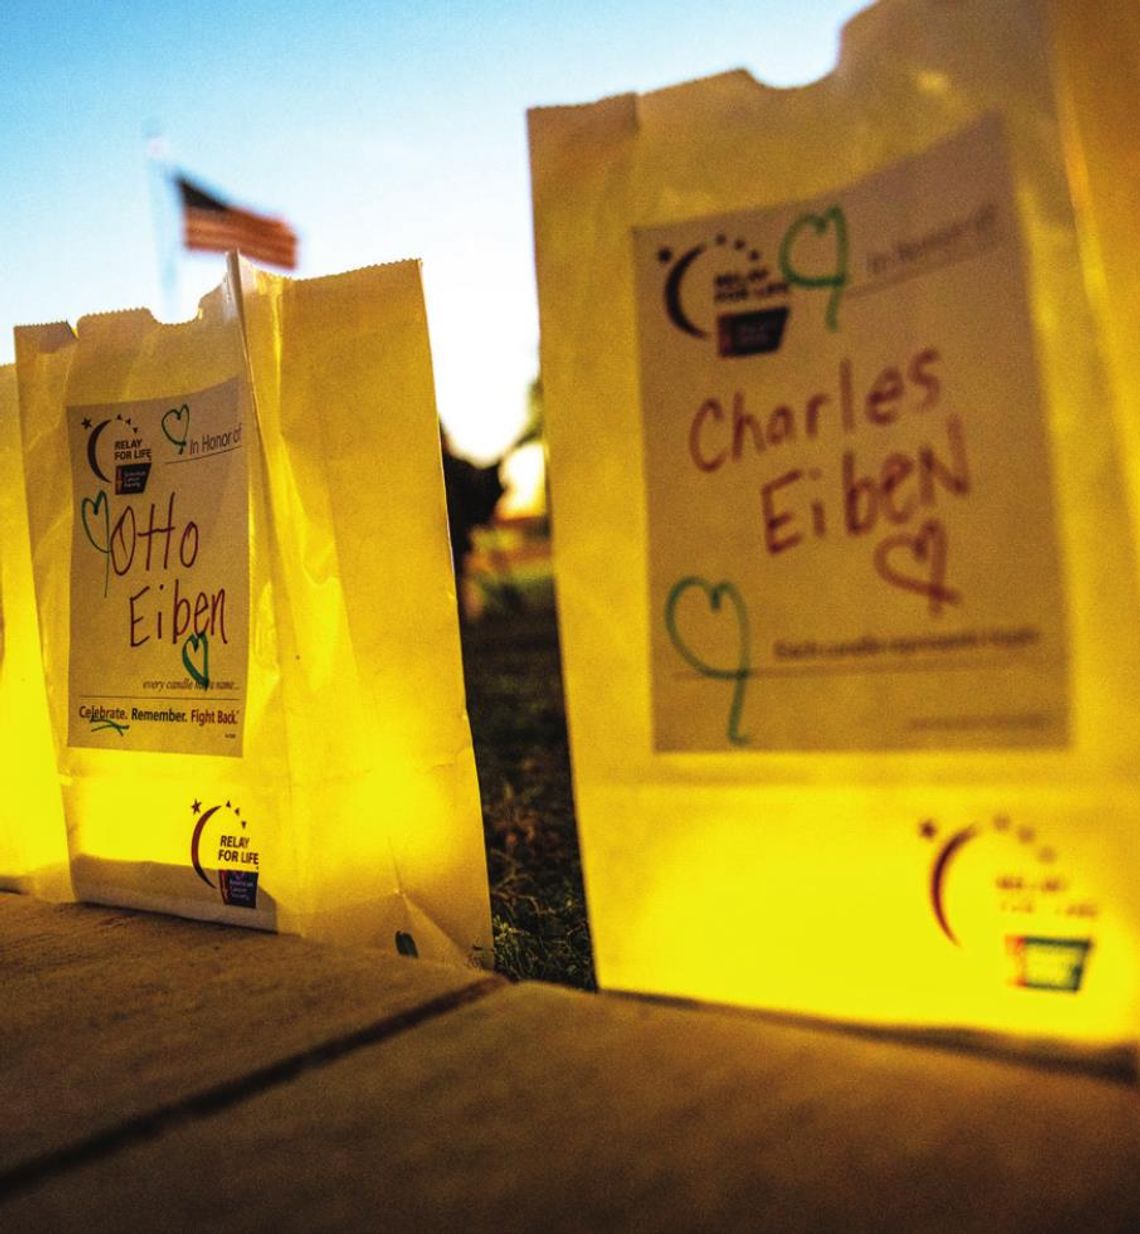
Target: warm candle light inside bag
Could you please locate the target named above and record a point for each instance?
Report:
(251, 645)
(33, 837)
(842, 420)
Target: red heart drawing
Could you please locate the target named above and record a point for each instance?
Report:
(927, 548)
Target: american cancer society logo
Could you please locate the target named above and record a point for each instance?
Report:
(1039, 963)
(726, 289)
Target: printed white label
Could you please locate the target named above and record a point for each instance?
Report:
(160, 573)
(851, 528)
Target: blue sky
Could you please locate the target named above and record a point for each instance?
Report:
(379, 130)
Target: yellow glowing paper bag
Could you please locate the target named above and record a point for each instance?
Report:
(33, 840)
(845, 560)
(248, 616)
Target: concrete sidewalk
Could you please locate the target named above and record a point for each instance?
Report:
(159, 1074)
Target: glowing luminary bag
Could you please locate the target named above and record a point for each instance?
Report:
(33, 840)
(843, 431)
(248, 615)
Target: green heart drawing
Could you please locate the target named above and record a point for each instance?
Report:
(196, 658)
(180, 418)
(89, 510)
(714, 594)
(94, 508)
(830, 220)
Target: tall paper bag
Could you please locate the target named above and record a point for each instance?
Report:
(33, 839)
(248, 615)
(842, 486)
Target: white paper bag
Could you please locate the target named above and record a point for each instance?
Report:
(248, 613)
(33, 839)
(842, 426)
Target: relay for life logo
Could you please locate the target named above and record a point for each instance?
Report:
(130, 454)
(724, 288)
(222, 843)
(999, 883)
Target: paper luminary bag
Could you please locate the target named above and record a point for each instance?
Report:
(843, 468)
(33, 839)
(248, 614)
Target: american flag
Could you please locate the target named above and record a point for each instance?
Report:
(214, 225)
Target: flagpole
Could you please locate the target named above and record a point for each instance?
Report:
(165, 239)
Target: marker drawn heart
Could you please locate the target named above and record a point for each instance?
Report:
(177, 418)
(833, 221)
(196, 658)
(900, 560)
(714, 593)
(91, 509)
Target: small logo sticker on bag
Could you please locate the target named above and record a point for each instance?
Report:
(221, 837)
(726, 280)
(1012, 878)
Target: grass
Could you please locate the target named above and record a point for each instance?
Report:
(518, 723)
